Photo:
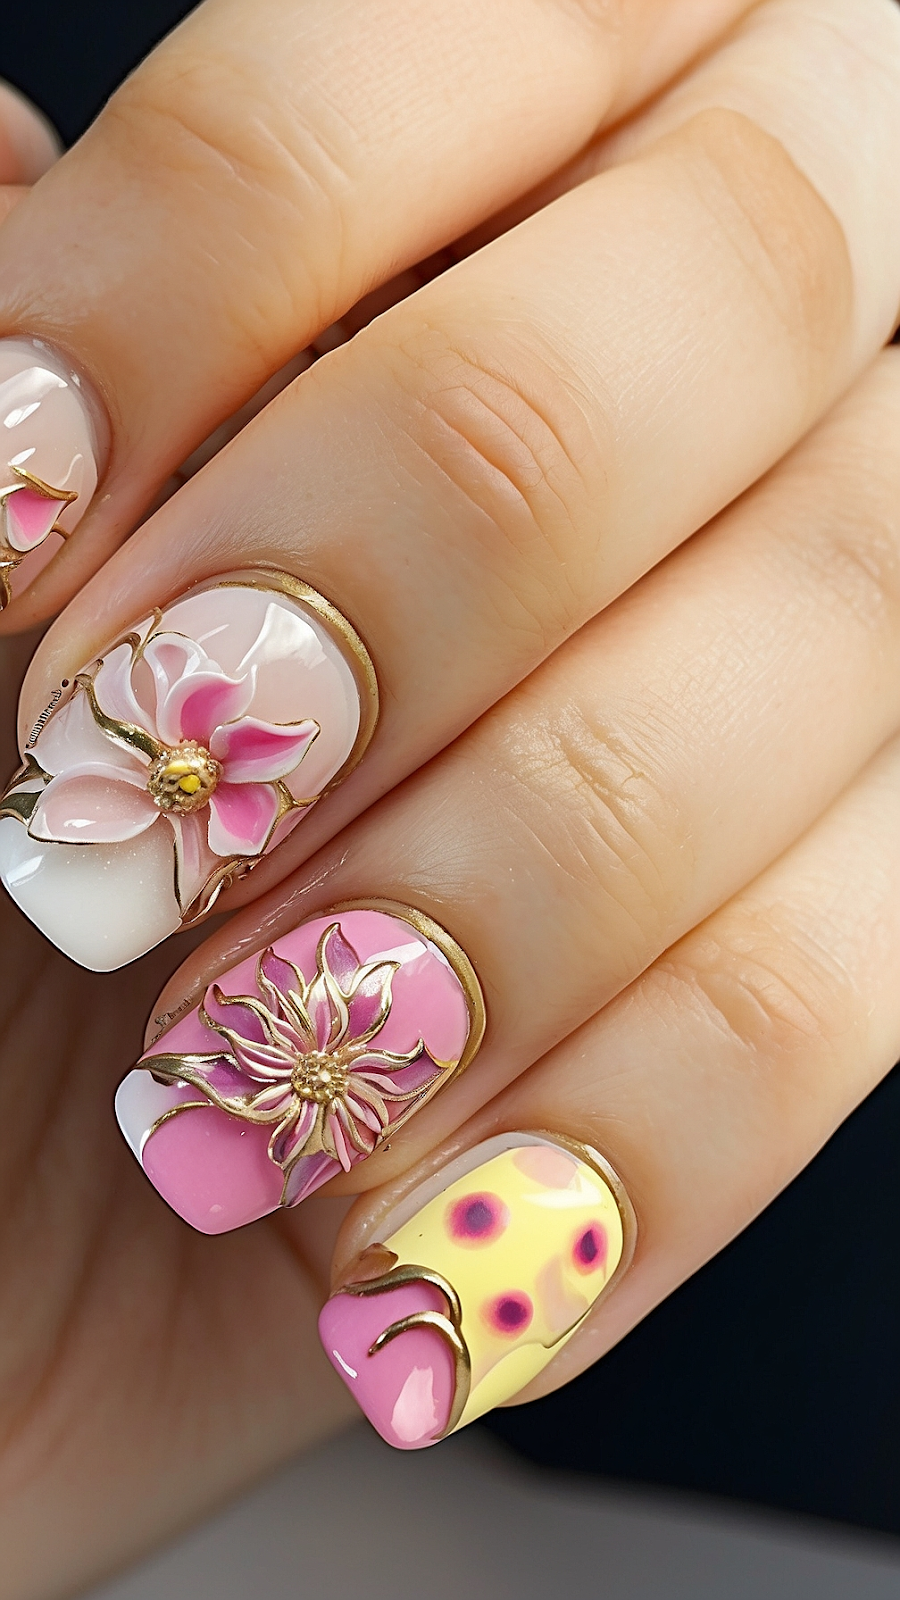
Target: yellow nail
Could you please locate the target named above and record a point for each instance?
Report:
(474, 1289)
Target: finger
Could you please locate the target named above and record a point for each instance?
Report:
(708, 1084)
(29, 146)
(521, 467)
(264, 169)
(633, 784)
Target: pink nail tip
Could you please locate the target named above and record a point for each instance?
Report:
(299, 1062)
(48, 466)
(172, 763)
(406, 1388)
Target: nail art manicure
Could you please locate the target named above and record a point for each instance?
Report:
(482, 1276)
(300, 1062)
(166, 768)
(48, 460)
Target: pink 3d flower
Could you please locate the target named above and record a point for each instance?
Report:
(164, 737)
(302, 1057)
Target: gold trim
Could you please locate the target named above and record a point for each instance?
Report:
(127, 733)
(453, 952)
(18, 802)
(31, 481)
(449, 1327)
(16, 557)
(599, 1164)
(304, 594)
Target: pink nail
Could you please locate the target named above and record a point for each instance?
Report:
(299, 1062)
(407, 1391)
(48, 459)
(167, 767)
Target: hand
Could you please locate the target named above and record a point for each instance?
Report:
(647, 344)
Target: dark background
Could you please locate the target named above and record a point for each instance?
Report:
(774, 1375)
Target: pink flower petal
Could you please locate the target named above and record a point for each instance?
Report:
(169, 658)
(194, 860)
(308, 1174)
(295, 1138)
(200, 703)
(342, 959)
(363, 1113)
(92, 804)
(115, 691)
(339, 1141)
(29, 518)
(241, 816)
(259, 752)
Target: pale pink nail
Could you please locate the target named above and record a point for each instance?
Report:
(299, 1062)
(172, 763)
(48, 459)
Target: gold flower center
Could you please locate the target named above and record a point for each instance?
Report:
(320, 1078)
(184, 778)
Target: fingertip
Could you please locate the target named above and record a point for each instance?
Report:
(29, 144)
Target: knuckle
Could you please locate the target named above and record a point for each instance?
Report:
(513, 441)
(594, 802)
(790, 247)
(854, 557)
(253, 185)
(765, 984)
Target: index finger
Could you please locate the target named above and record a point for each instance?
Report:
(261, 171)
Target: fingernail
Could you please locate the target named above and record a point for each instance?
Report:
(48, 459)
(481, 1278)
(167, 767)
(300, 1062)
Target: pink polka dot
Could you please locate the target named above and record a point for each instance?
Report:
(590, 1247)
(509, 1313)
(477, 1219)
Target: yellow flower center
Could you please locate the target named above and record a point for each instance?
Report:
(320, 1078)
(183, 779)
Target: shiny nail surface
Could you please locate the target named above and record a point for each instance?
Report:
(482, 1276)
(300, 1062)
(164, 769)
(48, 460)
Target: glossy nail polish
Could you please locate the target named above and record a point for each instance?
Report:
(167, 767)
(48, 459)
(482, 1276)
(300, 1062)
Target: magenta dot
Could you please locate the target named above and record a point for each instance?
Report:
(477, 1219)
(509, 1313)
(589, 1249)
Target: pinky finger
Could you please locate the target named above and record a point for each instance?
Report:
(486, 1274)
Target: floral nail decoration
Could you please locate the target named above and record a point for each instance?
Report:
(182, 750)
(345, 1028)
(50, 473)
(29, 512)
(307, 1057)
(203, 737)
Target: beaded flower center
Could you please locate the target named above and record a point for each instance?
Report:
(184, 779)
(319, 1077)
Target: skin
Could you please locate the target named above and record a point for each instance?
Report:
(645, 811)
